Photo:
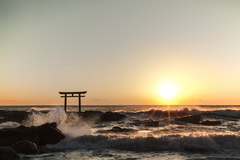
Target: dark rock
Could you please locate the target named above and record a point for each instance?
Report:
(13, 116)
(49, 134)
(40, 135)
(195, 119)
(9, 136)
(25, 147)
(136, 122)
(210, 123)
(151, 123)
(42, 149)
(7, 153)
(111, 116)
(91, 116)
(117, 129)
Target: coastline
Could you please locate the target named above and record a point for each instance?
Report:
(149, 130)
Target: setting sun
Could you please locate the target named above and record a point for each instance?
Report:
(168, 90)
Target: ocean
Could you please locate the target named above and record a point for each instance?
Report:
(131, 138)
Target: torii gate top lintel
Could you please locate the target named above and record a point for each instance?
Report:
(82, 92)
(72, 94)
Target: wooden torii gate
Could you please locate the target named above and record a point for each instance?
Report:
(73, 94)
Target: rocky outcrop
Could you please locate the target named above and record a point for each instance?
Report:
(25, 147)
(195, 119)
(7, 153)
(117, 130)
(151, 123)
(13, 116)
(41, 135)
(49, 134)
(210, 123)
(111, 116)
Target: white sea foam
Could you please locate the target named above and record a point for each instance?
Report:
(70, 124)
(9, 125)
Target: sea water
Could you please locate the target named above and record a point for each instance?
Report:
(170, 139)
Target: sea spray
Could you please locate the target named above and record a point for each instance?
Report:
(69, 123)
(9, 125)
(37, 118)
(168, 140)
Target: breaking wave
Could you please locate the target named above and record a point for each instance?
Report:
(188, 143)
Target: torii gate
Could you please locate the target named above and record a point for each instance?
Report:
(73, 94)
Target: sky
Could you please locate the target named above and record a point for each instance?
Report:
(120, 52)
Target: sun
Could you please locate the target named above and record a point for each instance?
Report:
(168, 90)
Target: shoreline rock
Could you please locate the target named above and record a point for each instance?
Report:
(7, 153)
(197, 119)
(13, 116)
(41, 135)
(112, 116)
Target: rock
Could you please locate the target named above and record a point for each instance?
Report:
(40, 135)
(50, 134)
(151, 123)
(13, 116)
(119, 129)
(116, 130)
(210, 123)
(195, 119)
(7, 153)
(111, 116)
(25, 147)
(42, 149)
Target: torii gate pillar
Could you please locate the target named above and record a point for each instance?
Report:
(73, 94)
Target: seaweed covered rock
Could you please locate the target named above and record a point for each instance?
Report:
(111, 116)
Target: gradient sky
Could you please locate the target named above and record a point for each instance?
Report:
(119, 51)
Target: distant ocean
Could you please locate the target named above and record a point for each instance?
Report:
(168, 139)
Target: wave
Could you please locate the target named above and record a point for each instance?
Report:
(9, 125)
(228, 113)
(178, 143)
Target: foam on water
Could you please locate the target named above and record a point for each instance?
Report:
(170, 136)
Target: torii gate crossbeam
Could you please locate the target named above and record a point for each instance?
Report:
(72, 94)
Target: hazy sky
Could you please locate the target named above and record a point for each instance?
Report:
(119, 51)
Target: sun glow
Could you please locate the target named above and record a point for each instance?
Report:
(168, 90)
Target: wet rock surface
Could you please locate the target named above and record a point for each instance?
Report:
(25, 147)
(41, 135)
(111, 116)
(13, 116)
(195, 119)
(210, 123)
(7, 153)
(117, 130)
